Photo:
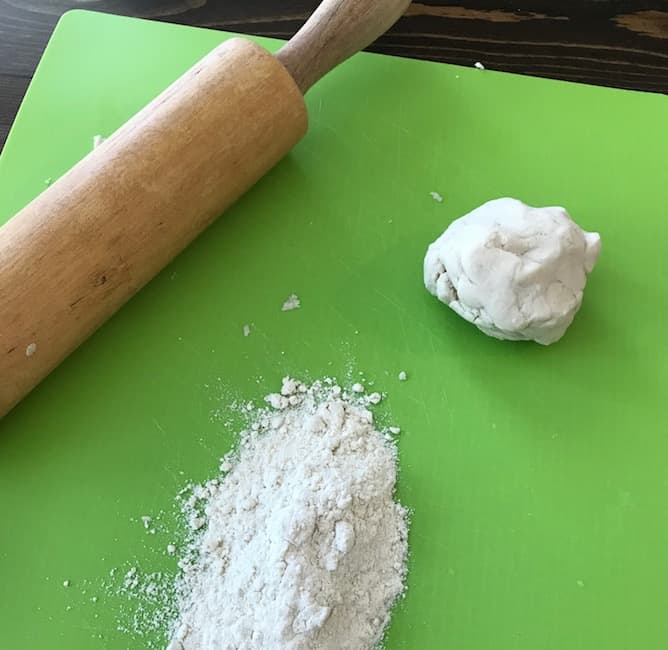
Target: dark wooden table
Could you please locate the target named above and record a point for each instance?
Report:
(621, 43)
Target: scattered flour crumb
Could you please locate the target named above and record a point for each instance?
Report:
(403, 376)
(277, 401)
(375, 398)
(146, 520)
(247, 330)
(66, 583)
(197, 522)
(395, 430)
(436, 196)
(171, 549)
(152, 608)
(478, 65)
(290, 387)
(291, 303)
(97, 141)
(31, 349)
(358, 388)
(131, 578)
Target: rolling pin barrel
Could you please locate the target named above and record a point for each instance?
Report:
(87, 244)
(80, 250)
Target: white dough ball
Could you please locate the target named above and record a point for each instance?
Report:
(514, 271)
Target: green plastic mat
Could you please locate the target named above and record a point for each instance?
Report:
(537, 475)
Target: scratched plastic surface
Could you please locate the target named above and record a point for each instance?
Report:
(537, 475)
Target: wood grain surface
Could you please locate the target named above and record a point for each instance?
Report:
(620, 43)
(73, 256)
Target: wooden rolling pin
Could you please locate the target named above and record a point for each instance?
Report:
(87, 244)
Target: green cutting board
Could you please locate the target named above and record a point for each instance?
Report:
(537, 475)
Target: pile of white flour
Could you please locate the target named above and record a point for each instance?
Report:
(303, 546)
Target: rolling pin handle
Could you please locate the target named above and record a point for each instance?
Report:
(336, 30)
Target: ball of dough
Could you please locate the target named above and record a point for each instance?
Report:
(514, 271)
